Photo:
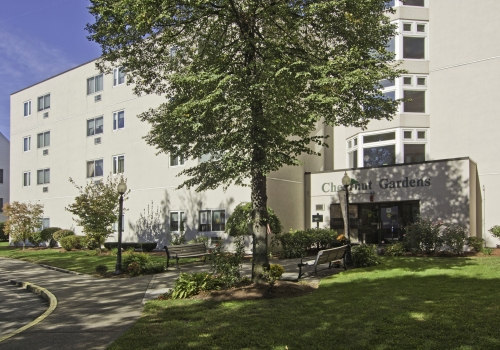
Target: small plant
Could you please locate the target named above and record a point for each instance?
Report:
(226, 266)
(70, 242)
(495, 231)
(487, 251)
(475, 243)
(114, 251)
(454, 237)
(189, 284)
(273, 273)
(199, 239)
(140, 263)
(178, 238)
(396, 249)
(153, 267)
(101, 269)
(44, 235)
(424, 236)
(365, 255)
(93, 252)
(61, 234)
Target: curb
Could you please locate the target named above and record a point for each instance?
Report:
(44, 293)
(61, 270)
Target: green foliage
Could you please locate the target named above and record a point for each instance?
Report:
(141, 264)
(3, 236)
(58, 235)
(274, 273)
(225, 266)
(70, 242)
(365, 255)
(101, 269)
(454, 238)
(238, 223)
(486, 250)
(475, 243)
(24, 220)
(424, 236)
(189, 284)
(178, 238)
(199, 239)
(295, 242)
(396, 249)
(44, 235)
(495, 231)
(96, 207)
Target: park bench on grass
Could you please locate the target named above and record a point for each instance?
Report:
(333, 256)
(185, 251)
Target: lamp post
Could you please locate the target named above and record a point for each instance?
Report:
(122, 188)
(346, 181)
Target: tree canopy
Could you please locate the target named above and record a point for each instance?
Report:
(24, 219)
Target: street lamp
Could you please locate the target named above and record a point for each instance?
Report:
(122, 188)
(346, 181)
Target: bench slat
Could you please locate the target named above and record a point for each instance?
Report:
(330, 256)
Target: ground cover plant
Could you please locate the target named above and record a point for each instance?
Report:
(403, 303)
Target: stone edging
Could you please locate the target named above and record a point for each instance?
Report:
(61, 270)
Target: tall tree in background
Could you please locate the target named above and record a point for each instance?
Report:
(248, 81)
(24, 219)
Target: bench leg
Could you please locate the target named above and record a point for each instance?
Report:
(300, 271)
(177, 263)
(168, 260)
(343, 263)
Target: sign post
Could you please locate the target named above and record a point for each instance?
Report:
(317, 219)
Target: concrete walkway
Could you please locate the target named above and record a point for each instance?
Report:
(93, 312)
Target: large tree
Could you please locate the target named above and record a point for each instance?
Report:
(24, 220)
(248, 81)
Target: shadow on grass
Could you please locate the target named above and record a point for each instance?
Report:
(443, 309)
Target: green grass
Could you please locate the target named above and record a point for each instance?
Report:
(4, 244)
(405, 303)
(77, 260)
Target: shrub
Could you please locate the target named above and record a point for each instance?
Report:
(273, 273)
(396, 249)
(486, 250)
(423, 235)
(226, 266)
(61, 234)
(135, 263)
(154, 267)
(178, 238)
(189, 284)
(454, 237)
(70, 242)
(199, 239)
(495, 231)
(3, 236)
(365, 255)
(101, 269)
(238, 222)
(294, 243)
(475, 243)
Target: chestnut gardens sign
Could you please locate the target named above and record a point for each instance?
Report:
(383, 183)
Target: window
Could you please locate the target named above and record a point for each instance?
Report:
(26, 143)
(118, 164)
(379, 137)
(1, 205)
(27, 179)
(416, 103)
(421, 135)
(1, 176)
(414, 153)
(118, 120)
(95, 168)
(94, 126)
(413, 40)
(413, 47)
(176, 161)
(44, 102)
(118, 76)
(352, 153)
(177, 221)
(43, 139)
(43, 177)
(45, 223)
(377, 156)
(94, 84)
(27, 108)
(407, 134)
(212, 220)
(420, 3)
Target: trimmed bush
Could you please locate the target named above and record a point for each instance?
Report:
(70, 242)
(365, 255)
(101, 269)
(295, 243)
(44, 235)
(136, 264)
(145, 246)
(424, 236)
(495, 231)
(274, 273)
(199, 239)
(454, 237)
(475, 243)
(58, 235)
(396, 249)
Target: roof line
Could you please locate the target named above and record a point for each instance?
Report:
(95, 59)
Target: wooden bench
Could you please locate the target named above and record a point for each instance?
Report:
(185, 251)
(330, 256)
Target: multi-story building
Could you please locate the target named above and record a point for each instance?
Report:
(435, 158)
(4, 173)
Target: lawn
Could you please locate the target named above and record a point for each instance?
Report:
(78, 260)
(405, 303)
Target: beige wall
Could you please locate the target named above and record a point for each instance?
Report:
(5, 165)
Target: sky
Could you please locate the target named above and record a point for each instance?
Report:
(39, 39)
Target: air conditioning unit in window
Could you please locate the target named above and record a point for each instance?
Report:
(46, 115)
(97, 141)
(45, 189)
(97, 98)
(97, 182)
(320, 207)
(45, 152)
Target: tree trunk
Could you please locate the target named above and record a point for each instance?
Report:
(259, 222)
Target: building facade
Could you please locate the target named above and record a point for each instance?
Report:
(4, 173)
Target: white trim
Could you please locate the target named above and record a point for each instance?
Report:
(115, 158)
(29, 143)
(29, 179)
(93, 77)
(29, 107)
(115, 114)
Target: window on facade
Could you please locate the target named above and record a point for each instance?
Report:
(27, 108)
(95, 168)
(176, 161)
(1, 176)
(26, 143)
(118, 164)
(378, 156)
(43, 177)
(407, 134)
(45, 223)
(44, 102)
(387, 83)
(94, 84)
(416, 103)
(413, 47)
(421, 135)
(414, 153)
(353, 159)
(43, 139)
(118, 76)
(391, 45)
(1, 205)
(407, 27)
(420, 81)
(379, 137)
(212, 220)
(27, 179)
(177, 221)
(406, 80)
(95, 126)
(420, 3)
(118, 120)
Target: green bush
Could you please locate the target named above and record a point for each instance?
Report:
(295, 243)
(495, 231)
(178, 238)
(61, 234)
(153, 267)
(70, 242)
(273, 273)
(189, 284)
(238, 222)
(199, 239)
(138, 263)
(44, 235)
(3, 236)
(101, 269)
(486, 250)
(454, 237)
(475, 243)
(396, 249)
(226, 267)
(365, 255)
(424, 235)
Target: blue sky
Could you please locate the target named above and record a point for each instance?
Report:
(39, 39)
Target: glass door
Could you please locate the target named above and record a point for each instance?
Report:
(369, 223)
(389, 219)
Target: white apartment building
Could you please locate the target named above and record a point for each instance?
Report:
(4, 173)
(436, 158)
